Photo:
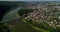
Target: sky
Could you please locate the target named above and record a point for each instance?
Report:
(29, 0)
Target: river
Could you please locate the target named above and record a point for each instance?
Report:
(17, 24)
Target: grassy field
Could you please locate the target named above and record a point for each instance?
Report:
(19, 26)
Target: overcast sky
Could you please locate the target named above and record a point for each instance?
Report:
(29, 0)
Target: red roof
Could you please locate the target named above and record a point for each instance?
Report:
(33, 12)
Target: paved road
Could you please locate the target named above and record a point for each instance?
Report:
(19, 26)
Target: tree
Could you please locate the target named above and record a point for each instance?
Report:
(3, 10)
(21, 12)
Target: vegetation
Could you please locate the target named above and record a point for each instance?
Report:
(4, 27)
(24, 11)
(43, 26)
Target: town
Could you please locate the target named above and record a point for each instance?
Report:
(47, 15)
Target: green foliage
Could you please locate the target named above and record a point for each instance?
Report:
(4, 28)
(58, 4)
(43, 26)
(24, 11)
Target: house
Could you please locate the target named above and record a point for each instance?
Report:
(58, 25)
(58, 7)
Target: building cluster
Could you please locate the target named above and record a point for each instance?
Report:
(48, 13)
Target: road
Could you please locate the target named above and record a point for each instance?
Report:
(19, 26)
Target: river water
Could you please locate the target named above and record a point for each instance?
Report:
(11, 15)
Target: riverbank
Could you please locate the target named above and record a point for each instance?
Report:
(18, 25)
